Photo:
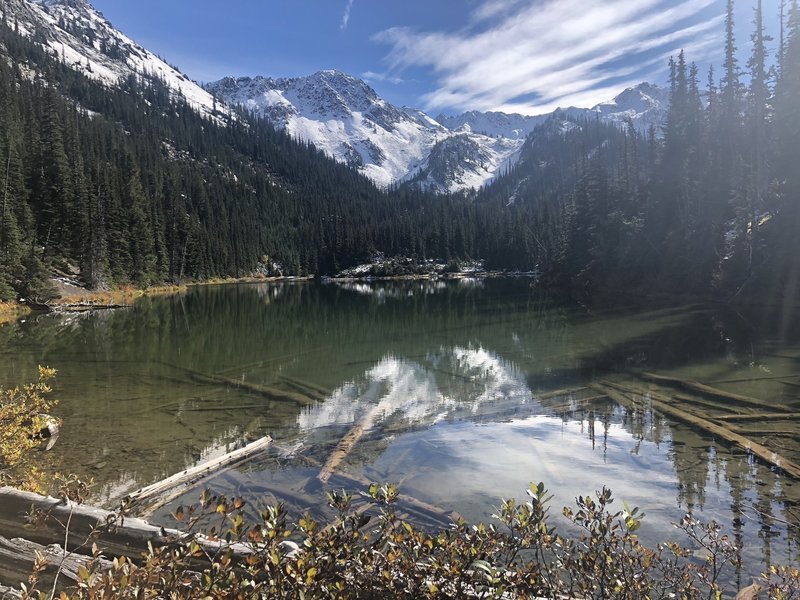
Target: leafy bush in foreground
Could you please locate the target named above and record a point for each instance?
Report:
(22, 418)
(356, 557)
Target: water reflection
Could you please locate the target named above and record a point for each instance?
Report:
(452, 381)
(440, 386)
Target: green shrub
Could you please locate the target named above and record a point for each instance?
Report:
(382, 557)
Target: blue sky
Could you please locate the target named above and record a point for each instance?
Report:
(525, 56)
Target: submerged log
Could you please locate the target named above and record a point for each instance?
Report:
(760, 417)
(670, 396)
(199, 471)
(348, 442)
(710, 391)
(716, 430)
(268, 392)
(558, 393)
(576, 405)
(617, 396)
(308, 386)
(442, 517)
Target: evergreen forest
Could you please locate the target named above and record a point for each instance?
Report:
(130, 186)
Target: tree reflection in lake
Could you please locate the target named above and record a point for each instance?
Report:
(455, 378)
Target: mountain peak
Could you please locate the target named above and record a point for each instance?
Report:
(86, 42)
(644, 104)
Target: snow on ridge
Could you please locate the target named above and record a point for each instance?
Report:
(340, 114)
(86, 41)
(344, 117)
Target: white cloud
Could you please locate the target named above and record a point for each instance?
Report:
(381, 77)
(535, 56)
(346, 15)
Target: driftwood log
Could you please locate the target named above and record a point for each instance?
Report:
(184, 478)
(128, 537)
(18, 556)
(7, 593)
(760, 417)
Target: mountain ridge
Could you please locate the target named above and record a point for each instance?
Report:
(86, 41)
(346, 118)
(342, 115)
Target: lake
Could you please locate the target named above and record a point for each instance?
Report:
(465, 392)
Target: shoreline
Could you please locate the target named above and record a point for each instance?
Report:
(12, 311)
(432, 276)
(76, 299)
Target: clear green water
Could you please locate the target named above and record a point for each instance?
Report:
(455, 379)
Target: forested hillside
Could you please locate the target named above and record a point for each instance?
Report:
(710, 203)
(133, 186)
(129, 184)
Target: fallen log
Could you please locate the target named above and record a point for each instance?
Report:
(616, 395)
(270, 393)
(129, 537)
(7, 593)
(558, 393)
(18, 556)
(716, 430)
(577, 404)
(670, 396)
(307, 385)
(199, 471)
(345, 446)
(710, 391)
(711, 404)
(753, 379)
(759, 417)
(148, 510)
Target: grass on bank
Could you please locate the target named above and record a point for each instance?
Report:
(11, 311)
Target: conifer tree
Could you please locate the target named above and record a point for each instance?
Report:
(757, 99)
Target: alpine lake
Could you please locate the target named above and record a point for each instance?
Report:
(464, 392)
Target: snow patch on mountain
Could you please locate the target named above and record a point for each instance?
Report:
(342, 116)
(645, 105)
(466, 161)
(493, 124)
(83, 39)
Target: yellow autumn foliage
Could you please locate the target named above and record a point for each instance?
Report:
(22, 417)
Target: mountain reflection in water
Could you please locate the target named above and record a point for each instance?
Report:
(452, 382)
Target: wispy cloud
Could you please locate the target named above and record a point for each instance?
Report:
(534, 56)
(346, 15)
(382, 77)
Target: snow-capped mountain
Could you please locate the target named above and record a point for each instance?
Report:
(343, 116)
(81, 37)
(465, 161)
(494, 124)
(645, 105)
(340, 114)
